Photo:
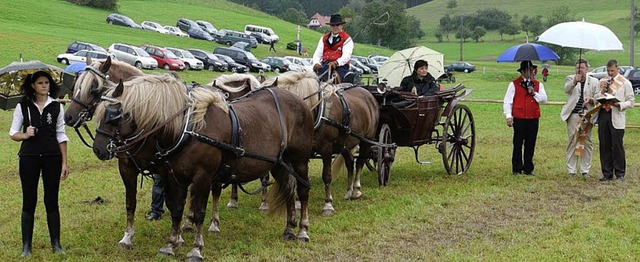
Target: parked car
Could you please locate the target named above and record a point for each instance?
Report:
(300, 62)
(601, 71)
(634, 77)
(243, 57)
(279, 64)
(76, 46)
(118, 19)
(367, 62)
(190, 62)
(262, 38)
(230, 37)
(172, 30)
(153, 26)
(460, 67)
(207, 27)
(210, 61)
(132, 55)
(378, 59)
(233, 66)
(81, 56)
(242, 46)
(193, 29)
(165, 58)
(356, 62)
(355, 69)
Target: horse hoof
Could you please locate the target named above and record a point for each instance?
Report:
(214, 229)
(328, 212)
(263, 207)
(232, 205)
(180, 241)
(288, 236)
(194, 255)
(347, 196)
(126, 246)
(357, 195)
(166, 252)
(303, 237)
(187, 228)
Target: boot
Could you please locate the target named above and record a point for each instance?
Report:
(53, 222)
(27, 233)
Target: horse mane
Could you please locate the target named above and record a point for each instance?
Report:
(222, 82)
(117, 71)
(153, 99)
(302, 84)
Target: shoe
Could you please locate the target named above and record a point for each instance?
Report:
(604, 178)
(572, 174)
(620, 178)
(153, 216)
(585, 175)
(530, 174)
(516, 173)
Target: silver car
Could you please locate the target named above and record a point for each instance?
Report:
(133, 55)
(190, 61)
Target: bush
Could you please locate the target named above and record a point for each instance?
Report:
(101, 4)
(292, 46)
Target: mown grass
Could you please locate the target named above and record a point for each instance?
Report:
(486, 214)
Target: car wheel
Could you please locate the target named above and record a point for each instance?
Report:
(277, 70)
(187, 66)
(636, 90)
(166, 67)
(229, 43)
(110, 22)
(233, 69)
(466, 70)
(138, 64)
(64, 61)
(211, 68)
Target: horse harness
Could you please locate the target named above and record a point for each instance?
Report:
(87, 112)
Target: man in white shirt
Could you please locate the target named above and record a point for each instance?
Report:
(333, 51)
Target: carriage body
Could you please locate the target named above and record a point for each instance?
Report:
(439, 119)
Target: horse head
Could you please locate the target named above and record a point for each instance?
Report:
(115, 128)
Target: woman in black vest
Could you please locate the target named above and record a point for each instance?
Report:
(38, 123)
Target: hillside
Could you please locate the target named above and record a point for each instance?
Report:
(613, 14)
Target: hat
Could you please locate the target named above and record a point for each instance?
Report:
(336, 19)
(525, 64)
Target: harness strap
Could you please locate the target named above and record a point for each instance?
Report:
(86, 128)
(347, 130)
(127, 146)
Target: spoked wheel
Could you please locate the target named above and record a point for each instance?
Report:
(386, 156)
(458, 140)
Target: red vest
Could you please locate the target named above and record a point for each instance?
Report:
(524, 106)
(333, 52)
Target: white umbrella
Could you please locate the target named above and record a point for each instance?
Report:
(400, 64)
(581, 35)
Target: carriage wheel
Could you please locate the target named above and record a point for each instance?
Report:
(386, 156)
(458, 140)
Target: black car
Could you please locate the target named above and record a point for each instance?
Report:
(210, 61)
(278, 64)
(233, 65)
(76, 46)
(634, 77)
(118, 19)
(193, 29)
(460, 67)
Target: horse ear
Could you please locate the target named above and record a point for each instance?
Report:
(119, 89)
(89, 61)
(247, 83)
(104, 68)
(214, 83)
(275, 82)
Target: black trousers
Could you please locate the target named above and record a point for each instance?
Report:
(612, 157)
(30, 170)
(525, 133)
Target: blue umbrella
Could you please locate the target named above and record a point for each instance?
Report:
(76, 68)
(527, 52)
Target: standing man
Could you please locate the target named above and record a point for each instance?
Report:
(522, 110)
(616, 96)
(580, 90)
(271, 45)
(333, 51)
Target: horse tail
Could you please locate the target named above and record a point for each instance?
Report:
(282, 192)
(337, 166)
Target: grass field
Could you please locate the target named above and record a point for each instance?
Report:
(423, 215)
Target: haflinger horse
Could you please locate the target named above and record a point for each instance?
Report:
(346, 116)
(193, 138)
(89, 87)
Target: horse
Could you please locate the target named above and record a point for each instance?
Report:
(88, 89)
(193, 138)
(346, 116)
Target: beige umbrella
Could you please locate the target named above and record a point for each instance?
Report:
(400, 64)
(12, 76)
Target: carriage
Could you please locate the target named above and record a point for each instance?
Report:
(438, 119)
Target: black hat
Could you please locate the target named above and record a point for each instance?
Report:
(336, 19)
(526, 64)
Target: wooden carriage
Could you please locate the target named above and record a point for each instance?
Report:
(438, 119)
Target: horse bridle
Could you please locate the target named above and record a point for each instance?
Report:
(86, 114)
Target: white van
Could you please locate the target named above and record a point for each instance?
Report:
(266, 30)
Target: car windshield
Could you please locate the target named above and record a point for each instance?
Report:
(171, 54)
(251, 57)
(141, 52)
(226, 58)
(187, 55)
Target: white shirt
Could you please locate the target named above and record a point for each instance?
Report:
(18, 119)
(347, 50)
(507, 105)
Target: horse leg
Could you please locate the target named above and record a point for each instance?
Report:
(216, 191)
(302, 169)
(188, 223)
(263, 201)
(327, 209)
(129, 177)
(175, 201)
(365, 149)
(348, 162)
(233, 199)
(199, 204)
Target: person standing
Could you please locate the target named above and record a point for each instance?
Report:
(521, 108)
(157, 199)
(545, 74)
(271, 45)
(580, 89)
(616, 96)
(38, 123)
(333, 50)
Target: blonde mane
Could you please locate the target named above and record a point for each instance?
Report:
(223, 81)
(117, 71)
(153, 99)
(303, 84)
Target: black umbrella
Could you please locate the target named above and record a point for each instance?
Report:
(12, 76)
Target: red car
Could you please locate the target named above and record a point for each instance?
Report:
(166, 59)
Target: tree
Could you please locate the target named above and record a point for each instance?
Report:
(451, 4)
(509, 29)
(491, 18)
(446, 26)
(464, 33)
(294, 16)
(477, 33)
(559, 15)
(532, 26)
(394, 32)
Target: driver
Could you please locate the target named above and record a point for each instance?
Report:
(420, 82)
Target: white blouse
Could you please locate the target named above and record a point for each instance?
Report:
(18, 119)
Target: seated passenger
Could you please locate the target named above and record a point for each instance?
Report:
(420, 82)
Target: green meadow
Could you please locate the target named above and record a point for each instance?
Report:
(486, 214)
